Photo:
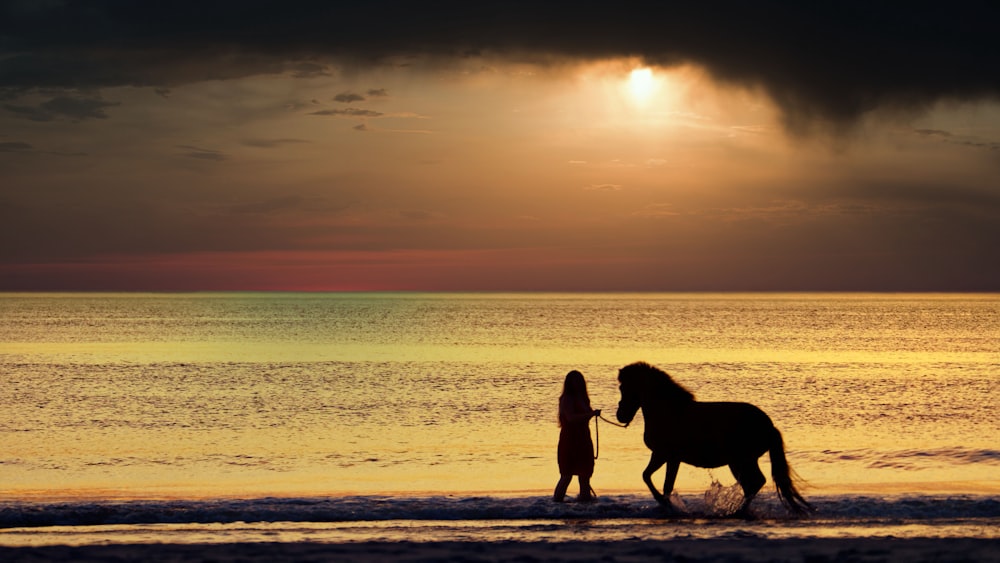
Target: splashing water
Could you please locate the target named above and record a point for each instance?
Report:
(722, 500)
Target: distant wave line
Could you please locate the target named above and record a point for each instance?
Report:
(842, 508)
(912, 458)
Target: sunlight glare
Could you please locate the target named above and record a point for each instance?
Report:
(642, 84)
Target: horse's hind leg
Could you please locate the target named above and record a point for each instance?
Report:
(751, 479)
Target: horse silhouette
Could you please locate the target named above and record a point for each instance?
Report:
(680, 429)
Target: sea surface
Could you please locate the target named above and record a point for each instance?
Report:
(184, 417)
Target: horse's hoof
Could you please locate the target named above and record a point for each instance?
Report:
(743, 514)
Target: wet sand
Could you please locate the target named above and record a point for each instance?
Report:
(729, 549)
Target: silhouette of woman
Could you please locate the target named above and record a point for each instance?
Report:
(576, 449)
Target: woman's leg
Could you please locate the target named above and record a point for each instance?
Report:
(585, 494)
(560, 494)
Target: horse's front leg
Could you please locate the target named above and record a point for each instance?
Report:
(656, 461)
(673, 466)
(668, 486)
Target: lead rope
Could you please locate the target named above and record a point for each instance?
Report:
(597, 436)
(597, 432)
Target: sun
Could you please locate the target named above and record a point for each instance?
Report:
(642, 84)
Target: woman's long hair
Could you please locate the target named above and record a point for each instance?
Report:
(574, 389)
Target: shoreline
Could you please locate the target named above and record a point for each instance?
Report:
(98, 494)
(750, 549)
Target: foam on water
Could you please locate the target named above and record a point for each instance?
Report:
(380, 508)
(492, 518)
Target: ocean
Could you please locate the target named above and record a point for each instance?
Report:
(188, 417)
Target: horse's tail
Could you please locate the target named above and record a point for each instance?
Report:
(784, 476)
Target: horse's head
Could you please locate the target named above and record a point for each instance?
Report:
(630, 383)
(640, 381)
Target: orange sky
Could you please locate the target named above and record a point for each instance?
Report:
(487, 171)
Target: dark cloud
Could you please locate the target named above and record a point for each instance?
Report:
(272, 143)
(310, 70)
(953, 139)
(348, 97)
(23, 148)
(28, 112)
(14, 146)
(349, 112)
(988, 145)
(378, 92)
(828, 63)
(202, 154)
(76, 109)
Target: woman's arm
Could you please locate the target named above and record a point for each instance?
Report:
(573, 413)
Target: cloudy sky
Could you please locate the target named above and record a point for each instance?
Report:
(498, 146)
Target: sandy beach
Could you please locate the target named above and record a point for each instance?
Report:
(883, 549)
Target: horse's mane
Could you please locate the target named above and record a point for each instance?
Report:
(660, 382)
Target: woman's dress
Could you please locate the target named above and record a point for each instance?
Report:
(576, 449)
